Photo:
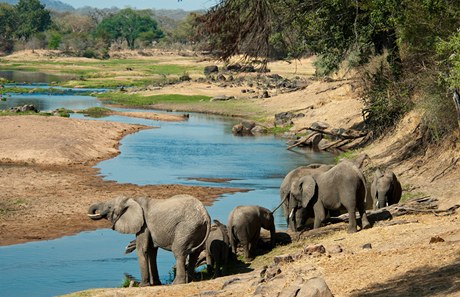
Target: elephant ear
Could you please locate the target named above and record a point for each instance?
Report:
(308, 188)
(131, 219)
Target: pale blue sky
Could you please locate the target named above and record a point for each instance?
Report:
(143, 4)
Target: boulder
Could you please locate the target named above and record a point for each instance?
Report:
(315, 287)
(210, 69)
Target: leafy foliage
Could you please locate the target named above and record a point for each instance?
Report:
(129, 25)
(32, 18)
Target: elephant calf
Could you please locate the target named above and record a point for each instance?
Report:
(218, 249)
(244, 223)
(385, 188)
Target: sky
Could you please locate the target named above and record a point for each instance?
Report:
(143, 4)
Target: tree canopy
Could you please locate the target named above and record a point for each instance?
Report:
(32, 18)
(129, 25)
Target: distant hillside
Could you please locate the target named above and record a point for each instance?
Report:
(49, 4)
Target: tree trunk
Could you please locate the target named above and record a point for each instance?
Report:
(456, 98)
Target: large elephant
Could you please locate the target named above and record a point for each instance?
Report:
(244, 223)
(343, 185)
(218, 249)
(301, 214)
(385, 188)
(179, 224)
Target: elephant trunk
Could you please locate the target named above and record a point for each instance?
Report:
(95, 214)
(382, 200)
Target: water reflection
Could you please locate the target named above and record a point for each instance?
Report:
(44, 102)
(33, 77)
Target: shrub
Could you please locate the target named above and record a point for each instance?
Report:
(386, 100)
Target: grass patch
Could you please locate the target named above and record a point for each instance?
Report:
(139, 100)
(346, 155)
(96, 112)
(106, 73)
(278, 130)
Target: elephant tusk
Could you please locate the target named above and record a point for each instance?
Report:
(377, 204)
(291, 214)
(387, 204)
(95, 216)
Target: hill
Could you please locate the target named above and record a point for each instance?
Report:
(49, 4)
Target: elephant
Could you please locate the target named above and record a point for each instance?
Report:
(179, 224)
(218, 249)
(289, 180)
(385, 188)
(243, 225)
(343, 185)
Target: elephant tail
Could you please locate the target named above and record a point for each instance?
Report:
(208, 230)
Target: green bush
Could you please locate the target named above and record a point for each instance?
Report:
(386, 100)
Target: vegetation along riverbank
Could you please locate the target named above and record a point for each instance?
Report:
(385, 83)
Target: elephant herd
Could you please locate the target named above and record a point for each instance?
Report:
(318, 190)
(182, 225)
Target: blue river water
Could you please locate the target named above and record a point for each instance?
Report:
(172, 153)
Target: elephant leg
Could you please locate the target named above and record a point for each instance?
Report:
(142, 249)
(362, 213)
(247, 251)
(180, 269)
(292, 219)
(155, 278)
(352, 220)
(320, 214)
(192, 259)
(209, 263)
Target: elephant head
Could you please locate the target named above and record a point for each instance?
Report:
(385, 188)
(125, 214)
(303, 193)
(267, 221)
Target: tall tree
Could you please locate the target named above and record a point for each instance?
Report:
(32, 17)
(7, 25)
(128, 25)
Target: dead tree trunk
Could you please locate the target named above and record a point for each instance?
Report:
(456, 98)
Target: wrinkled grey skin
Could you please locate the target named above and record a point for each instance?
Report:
(343, 185)
(385, 189)
(218, 249)
(179, 224)
(244, 223)
(301, 213)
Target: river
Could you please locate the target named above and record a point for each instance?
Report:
(176, 153)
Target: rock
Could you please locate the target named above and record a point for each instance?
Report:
(185, 77)
(282, 259)
(258, 130)
(367, 246)
(210, 69)
(335, 249)
(290, 291)
(221, 77)
(436, 239)
(233, 67)
(317, 248)
(265, 95)
(221, 98)
(315, 287)
(243, 128)
(319, 125)
(284, 118)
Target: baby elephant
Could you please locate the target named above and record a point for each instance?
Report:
(244, 223)
(385, 189)
(217, 249)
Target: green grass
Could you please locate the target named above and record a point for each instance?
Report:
(138, 100)
(96, 111)
(106, 73)
(346, 155)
